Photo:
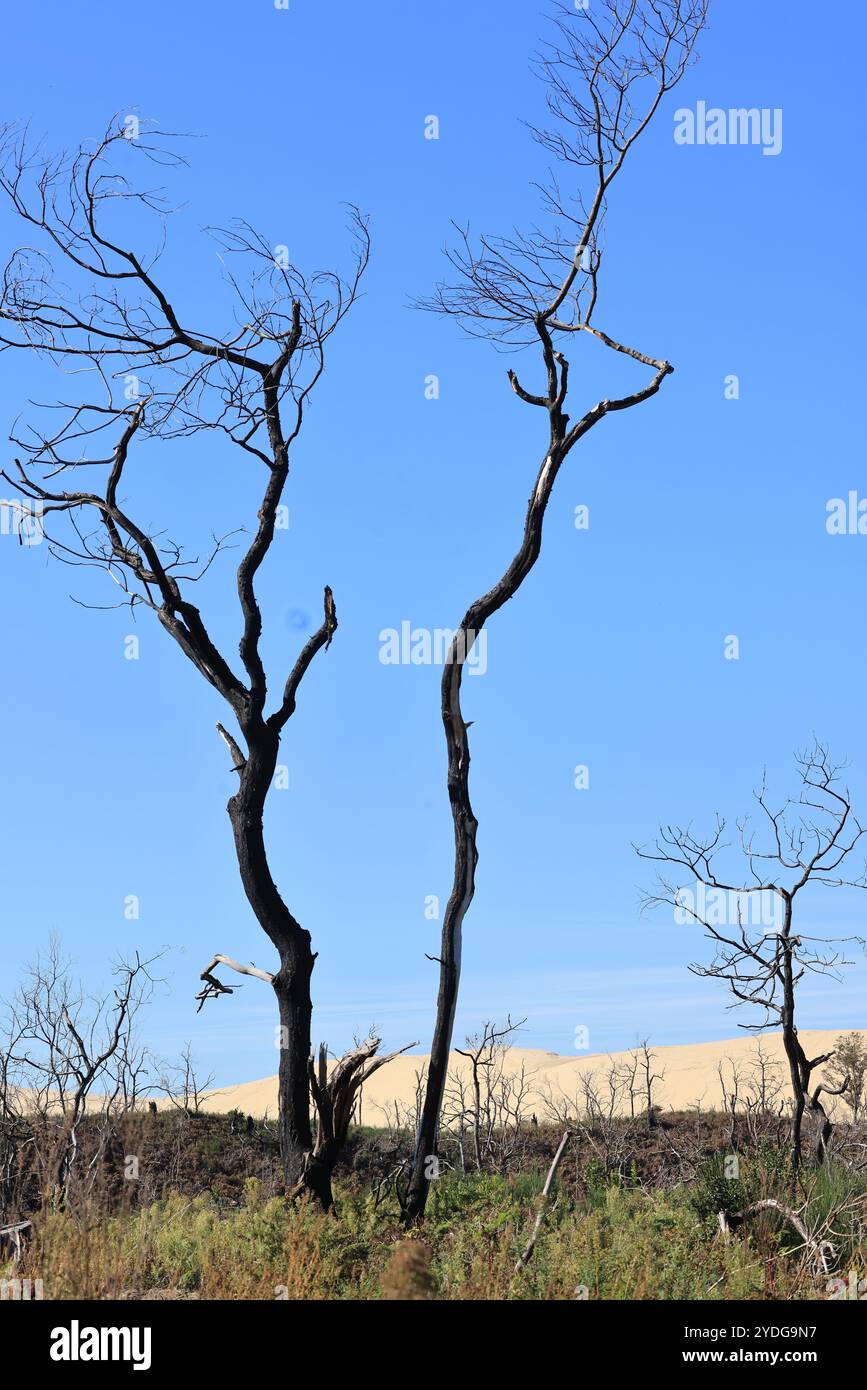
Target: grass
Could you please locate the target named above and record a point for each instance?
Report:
(611, 1240)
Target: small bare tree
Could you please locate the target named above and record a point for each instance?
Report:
(88, 294)
(493, 1100)
(183, 1085)
(628, 1071)
(751, 920)
(606, 72)
(764, 1081)
(649, 1078)
(64, 1053)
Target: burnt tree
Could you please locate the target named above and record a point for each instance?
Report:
(750, 918)
(89, 296)
(606, 73)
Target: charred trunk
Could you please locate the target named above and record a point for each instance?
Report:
(317, 1178)
(335, 1096)
(466, 858)
(291, 984)
(292, 988)
(794, 1052)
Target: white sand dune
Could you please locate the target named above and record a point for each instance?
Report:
(689, 1076)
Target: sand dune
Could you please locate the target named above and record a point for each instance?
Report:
(689, 1076)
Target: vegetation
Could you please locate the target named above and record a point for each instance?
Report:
(208, 1217)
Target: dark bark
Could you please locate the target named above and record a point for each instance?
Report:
(334, 1097)
(801, 1068)
(562, 439)
(291, 983)
(824, 1127)
(292, 988)
(794, 1051)
(317, 1177)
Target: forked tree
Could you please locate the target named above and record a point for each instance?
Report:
(87, 293)
(606, 72)
(760, 953)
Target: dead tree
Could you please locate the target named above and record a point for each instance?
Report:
(486, 1054)
(763, 1107)
(61, 1047)
(730, 1095)
(764, 1081)
(183, 1086)
(526, 1254)
(335, 1096)
(606, 72)
(821, 1252)
(751, 920)
(89, 296)
(628, 1072)
(647, 1057)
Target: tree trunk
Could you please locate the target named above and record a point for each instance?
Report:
(291, 984)
(796, 1121)
(292, 988)
(464, 821)
(335, 1097)
(463, 889)
(794, 1051)
(317, 1178)
(562, 439)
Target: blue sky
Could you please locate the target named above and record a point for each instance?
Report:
(707, 518)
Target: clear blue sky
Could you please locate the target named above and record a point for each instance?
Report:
(707, 519)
